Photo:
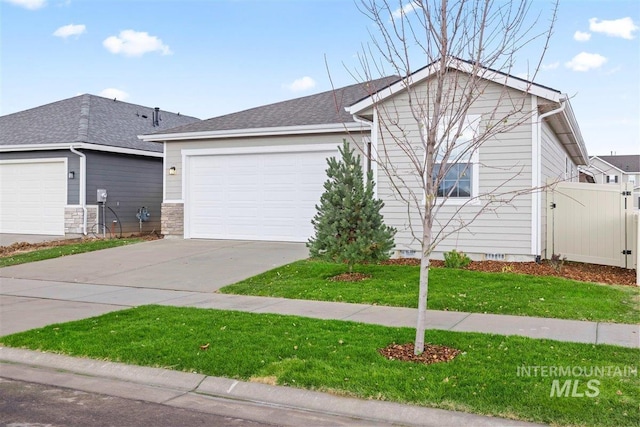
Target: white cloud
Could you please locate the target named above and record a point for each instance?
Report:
(70, 30)
(301, 84)
(623, 27)
(404, 10)
(29, 4)
(135, 43)
(581, 37)
(114, 93)
(552, 66)
(586, 61)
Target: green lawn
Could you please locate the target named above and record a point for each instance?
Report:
(341, 357)
(58, 251)
(450, 289)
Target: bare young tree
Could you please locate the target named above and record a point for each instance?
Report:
(436, 127)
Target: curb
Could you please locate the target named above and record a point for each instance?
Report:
(167, 387)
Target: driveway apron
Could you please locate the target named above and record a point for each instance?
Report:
(171, 264)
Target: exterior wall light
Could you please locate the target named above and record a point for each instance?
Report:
(72, 174)
(172, 170)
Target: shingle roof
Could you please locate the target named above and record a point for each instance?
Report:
(87, 119)
(626, 163)
(322, 108)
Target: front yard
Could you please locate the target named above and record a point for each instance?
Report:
(493, 375)
(450, 289)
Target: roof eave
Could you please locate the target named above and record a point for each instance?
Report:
(82, 145)
(256, 132)
(460, 65)
(612, 166)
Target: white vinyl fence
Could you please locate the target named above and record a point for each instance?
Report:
(593, 223)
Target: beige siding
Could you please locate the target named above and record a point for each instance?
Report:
(504, 163)
(174, 149)
(553, 168)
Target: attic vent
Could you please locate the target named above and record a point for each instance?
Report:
(156, 117)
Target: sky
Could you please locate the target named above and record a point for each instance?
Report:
(207, 58)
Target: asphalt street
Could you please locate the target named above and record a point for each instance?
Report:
(30, 404)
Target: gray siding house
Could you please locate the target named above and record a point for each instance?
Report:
(258, 174)
(616, 169)
(54, 159)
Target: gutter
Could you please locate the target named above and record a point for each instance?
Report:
(537, 219)
(83, 186)
(252, 132)
(79, 145)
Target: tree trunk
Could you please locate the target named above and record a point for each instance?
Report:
(424, 283)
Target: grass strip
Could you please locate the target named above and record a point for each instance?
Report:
(450, 289)
(490, 377)
(64, 250)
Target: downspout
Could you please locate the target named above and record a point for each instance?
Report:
(538, 178)
(83, 186)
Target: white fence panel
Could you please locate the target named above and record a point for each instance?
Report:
(592, 223)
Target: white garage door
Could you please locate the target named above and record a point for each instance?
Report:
(254, 196)
(32, 197)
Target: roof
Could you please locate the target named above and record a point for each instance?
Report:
(87, 119)
(564, 124)
(460, 65)
(319, 109)
(626, 163)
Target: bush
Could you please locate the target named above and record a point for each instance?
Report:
(455, 259)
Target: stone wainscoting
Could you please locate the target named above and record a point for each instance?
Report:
(172, 221)
(73, 219)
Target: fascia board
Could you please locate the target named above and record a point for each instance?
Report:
(496, 77)
(83, 146)
(257, 132)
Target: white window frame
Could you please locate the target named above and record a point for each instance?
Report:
(473, 122)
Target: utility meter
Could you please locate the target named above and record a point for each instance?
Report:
(101, 196)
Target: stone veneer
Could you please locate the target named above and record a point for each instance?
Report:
(172, 220)
(73, 219)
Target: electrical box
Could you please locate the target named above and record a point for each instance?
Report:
(101, 196)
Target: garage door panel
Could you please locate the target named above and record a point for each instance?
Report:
(270, 196)
(32, 197)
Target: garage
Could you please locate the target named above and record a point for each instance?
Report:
(33, 195)
(267, 193)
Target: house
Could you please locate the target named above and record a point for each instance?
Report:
(257, 174)
(615, 169)
(56, 158)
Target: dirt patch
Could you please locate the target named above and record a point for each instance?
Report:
(350, 277)
(23, 247)
(432, 353)
(570, 270)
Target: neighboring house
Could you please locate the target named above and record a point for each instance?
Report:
(617, 169)
(257, 174)
(54, 159)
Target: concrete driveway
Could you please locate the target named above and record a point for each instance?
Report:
(171, 264)
(85, 285)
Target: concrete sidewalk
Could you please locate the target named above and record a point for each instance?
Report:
(48, 302)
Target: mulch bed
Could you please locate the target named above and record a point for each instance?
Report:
(432, 353)
(570, 270)
(350, 277)
(23, 247)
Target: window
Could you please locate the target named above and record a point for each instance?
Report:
(457, 181)
(612, 179)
